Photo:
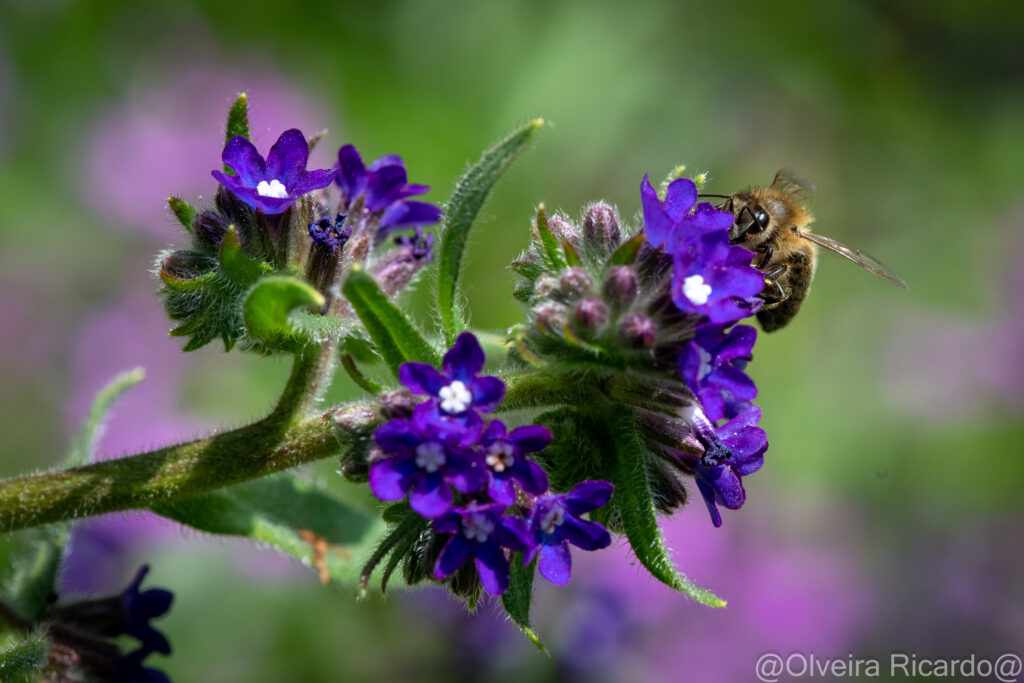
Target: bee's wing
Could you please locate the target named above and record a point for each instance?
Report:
(792, 182)
(865, 261)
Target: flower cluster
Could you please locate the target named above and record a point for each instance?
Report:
(466, 475)
(83, 633)
(712, 278)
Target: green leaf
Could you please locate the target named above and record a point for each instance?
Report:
(407, 526)
(268, 304)
(625, 255)
(183, 211)
(361, 380)
(572, 257)
(550, 244)
(632, 500)
(83, 444)
(519, 595)
(238, 266)
(287, 514)
(460, 213)
(20, 661)
(397, 339)
(238, 122)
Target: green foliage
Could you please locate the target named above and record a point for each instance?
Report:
(18, 662)
(83, 445)
(267, 307)
(460, 213)
(183, 211)
(238, 122)
(633, 504)
(289, 515)
(551, 248)
(397, 546)
(396, 338)
(516, 600)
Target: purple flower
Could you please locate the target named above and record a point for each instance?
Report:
(420, 247)
(271, 185)
(384, 189)
(664, 220)
(458, 391)
(731, 452)
(140, 607)
(128, 669)
(330, 234)
(712, 366)
(505, 455)
(481, 532)
(426, 455)
(714, 278)
(555, 523)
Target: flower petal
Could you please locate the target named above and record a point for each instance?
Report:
(431, 496)
(530, 476)
(587, 496)
(453, 555)
(351, 172)
(513, 532)
(398, 436)
(680, 198)
(287, 158)
(408, 214)
(555, 563)
(465, 359)
(422, 378)
(487, 393)
(391, 478)
(657, 222)
(708, 493)
(492, 566)
(312, 180)
(530, 438)
(584, 534)
(384, 184)
(243, 158)
(501, 489)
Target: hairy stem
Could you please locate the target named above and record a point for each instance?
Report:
(179, 471)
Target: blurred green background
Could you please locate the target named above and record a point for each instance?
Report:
(890, 502)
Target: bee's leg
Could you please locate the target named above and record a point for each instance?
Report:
(766, 256)
(775, 272)
(773, 294)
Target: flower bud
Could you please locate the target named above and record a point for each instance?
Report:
(355, 464)
(591, 314)
(209, 228)
(546, 286)
(638, 331)
(601, 226)
(397, 403)
(551, 317)
(564, 229)
(576, 282)
(621, 285)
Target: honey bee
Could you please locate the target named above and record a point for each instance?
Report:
(772, 222)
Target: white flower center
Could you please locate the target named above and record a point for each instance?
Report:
(275, 188)
(500, 456)
(430, 456)
(478, 527)
(455, 398)
(695, 289)
(553, 518)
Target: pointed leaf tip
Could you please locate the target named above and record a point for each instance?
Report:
(268, 305)
(183, 211)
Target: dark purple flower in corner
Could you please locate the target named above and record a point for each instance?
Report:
(424, 457)
(481, 532)
(731, 452)
(505, 456)
(555, 523)
(384, 189)
(271, 185)
(712, 366)
(458, 391)
(140, 607)
(714, 278)
(128, 669)
(330, 234)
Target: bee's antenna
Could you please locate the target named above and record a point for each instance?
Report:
(720, 196)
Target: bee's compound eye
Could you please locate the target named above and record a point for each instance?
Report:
(761, 216)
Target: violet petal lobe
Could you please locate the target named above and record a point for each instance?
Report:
(657, 222)
(465, 359)
(409, 214)
(584, 534)
(453, 555)
(530, 438)
(680, 198)
(707, 492)
(487, 393)
(351, 172)
(422, 378)
(431, 496)
(493, 567)
(391, 478)
(287, 158)
(555, 563)
(245, 160)
(587, 496)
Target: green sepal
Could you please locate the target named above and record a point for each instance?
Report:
(519, 595)
(406, 528)
(20, 660)
(183, 211)
(282, 511)
(238, 266)
(187, 285)
(633, 504)
(267, 306)
(549, 243)
(361, 380)
(626, 253)
(460, 213)
(572, 257)
(396, 338)
(238, 122)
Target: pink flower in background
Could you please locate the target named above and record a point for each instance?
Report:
(168, 132)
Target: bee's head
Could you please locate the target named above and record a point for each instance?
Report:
(752, 218)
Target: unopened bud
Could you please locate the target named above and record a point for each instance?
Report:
(576, 282)
(564, 229)
(638, 331)
(621, 286)
(601, 226)
(591, 314)
(355, 464)
(209, 228)
(546, 286)
(397, 403)
(551, 317)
